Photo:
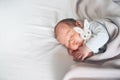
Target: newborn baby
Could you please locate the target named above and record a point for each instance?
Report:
(82, 41)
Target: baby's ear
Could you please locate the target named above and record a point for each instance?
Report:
(79, 23)
(86, 23)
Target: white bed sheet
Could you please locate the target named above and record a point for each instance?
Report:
(28, 50)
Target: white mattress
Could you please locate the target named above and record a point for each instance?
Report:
(28, 50)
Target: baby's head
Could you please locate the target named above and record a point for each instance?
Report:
(66, 35)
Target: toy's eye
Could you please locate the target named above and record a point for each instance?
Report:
(89, 32)
(85, 36)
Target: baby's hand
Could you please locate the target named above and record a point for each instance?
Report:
(81, 54)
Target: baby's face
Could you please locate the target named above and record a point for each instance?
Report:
(68, 37)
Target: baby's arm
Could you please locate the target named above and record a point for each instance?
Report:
(99, 37)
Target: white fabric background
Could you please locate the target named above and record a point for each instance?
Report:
(28, 50)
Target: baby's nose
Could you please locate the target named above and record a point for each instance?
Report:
(72, 41)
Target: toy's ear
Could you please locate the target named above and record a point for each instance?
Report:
(86, 24)
(78, 29)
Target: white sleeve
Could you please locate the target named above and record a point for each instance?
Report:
(99, 37)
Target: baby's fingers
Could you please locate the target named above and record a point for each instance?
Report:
(84, 57)
(77, 57)
(87, 56)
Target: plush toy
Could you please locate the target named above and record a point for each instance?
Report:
(85, 33)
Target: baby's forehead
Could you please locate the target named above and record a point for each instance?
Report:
(61, 32)
(62, 26)
(62, 29)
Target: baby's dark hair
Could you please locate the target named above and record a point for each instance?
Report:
(69, 21)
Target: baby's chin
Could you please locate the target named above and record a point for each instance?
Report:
(74, 48)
